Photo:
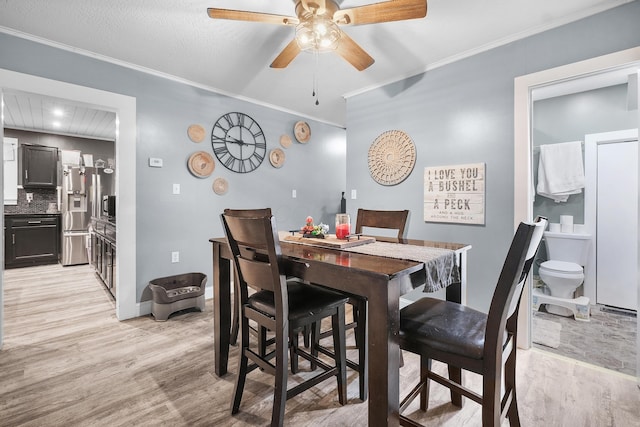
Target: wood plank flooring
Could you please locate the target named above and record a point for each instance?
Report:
(67, 361)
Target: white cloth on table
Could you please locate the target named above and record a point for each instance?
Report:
(560, 170)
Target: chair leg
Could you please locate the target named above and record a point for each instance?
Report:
(455, 375)
(337, 324)
(491, 402)
(360, 316)
(425, 366)
(315, 342)
(306, 334)
(242, 368)
(281, 374)
(293, 351)
(510, 386)
(262, 340)
(512, 412)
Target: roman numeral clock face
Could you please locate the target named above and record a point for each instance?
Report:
(238, 142)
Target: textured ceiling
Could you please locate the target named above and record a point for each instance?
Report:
(177, 38)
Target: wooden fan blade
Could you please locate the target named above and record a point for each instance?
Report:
(353, 53)
(394, 10)
(287, 55)
(241, 15)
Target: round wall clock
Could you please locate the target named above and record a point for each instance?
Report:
(201, 164)
(392, 157)
(302, 132)
(238, 142)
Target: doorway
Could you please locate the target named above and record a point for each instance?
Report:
(125, 109)
(523, 176)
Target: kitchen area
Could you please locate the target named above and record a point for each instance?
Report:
(60, 192)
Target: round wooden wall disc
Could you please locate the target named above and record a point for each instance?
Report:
(302, 132)
(285, 141)
(196, 133)
(276, 157)
(201, 164)
(220, 186)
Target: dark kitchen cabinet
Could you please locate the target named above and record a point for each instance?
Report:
(103, 252)
(39, 166)
(31, 240)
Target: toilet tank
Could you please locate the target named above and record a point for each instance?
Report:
(568, 247)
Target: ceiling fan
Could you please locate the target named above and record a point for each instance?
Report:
(316, 23)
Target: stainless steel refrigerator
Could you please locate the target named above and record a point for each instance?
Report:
(102, 184)
(76, 209)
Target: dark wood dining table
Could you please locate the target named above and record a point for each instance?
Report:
(379, 279)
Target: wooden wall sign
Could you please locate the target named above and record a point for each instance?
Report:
(454, 193)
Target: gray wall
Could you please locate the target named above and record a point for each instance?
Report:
(464, 113)
(570, 118)
(459, 113)
(166, 222)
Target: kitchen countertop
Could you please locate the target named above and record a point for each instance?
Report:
(105, 219)
(31, 214)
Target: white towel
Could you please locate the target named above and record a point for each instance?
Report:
(560, 170)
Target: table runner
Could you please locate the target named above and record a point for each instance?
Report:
(441, 265)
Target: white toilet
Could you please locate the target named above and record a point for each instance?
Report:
(564, 273)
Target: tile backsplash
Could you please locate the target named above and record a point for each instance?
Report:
(42, 197)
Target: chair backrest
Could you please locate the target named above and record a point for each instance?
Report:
(503, 311)
(392, 220)
(254, 243)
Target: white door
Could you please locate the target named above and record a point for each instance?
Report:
(617, 225)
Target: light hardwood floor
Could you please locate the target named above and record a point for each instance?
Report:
(67, 361)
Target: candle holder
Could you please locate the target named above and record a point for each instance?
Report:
(343, 226)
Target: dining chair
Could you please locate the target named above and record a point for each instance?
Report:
(235, 324)
(374, 219)
(467, 339)
(281, 306)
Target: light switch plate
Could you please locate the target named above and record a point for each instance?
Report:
(155, 162)
(353, 194)
(176, 188)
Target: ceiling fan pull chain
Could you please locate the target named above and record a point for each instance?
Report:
(315, 76)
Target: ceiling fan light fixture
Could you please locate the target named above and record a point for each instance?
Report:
(318, 34)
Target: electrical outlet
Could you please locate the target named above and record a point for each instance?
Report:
(29, 197)
(353, 194)
(175, 256)
(176, 188)
(294, 194)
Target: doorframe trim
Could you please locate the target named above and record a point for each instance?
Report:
(125, 108)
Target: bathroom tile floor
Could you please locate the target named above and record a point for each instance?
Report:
(608, 340)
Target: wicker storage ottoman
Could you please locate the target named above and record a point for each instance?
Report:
(175, 293)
